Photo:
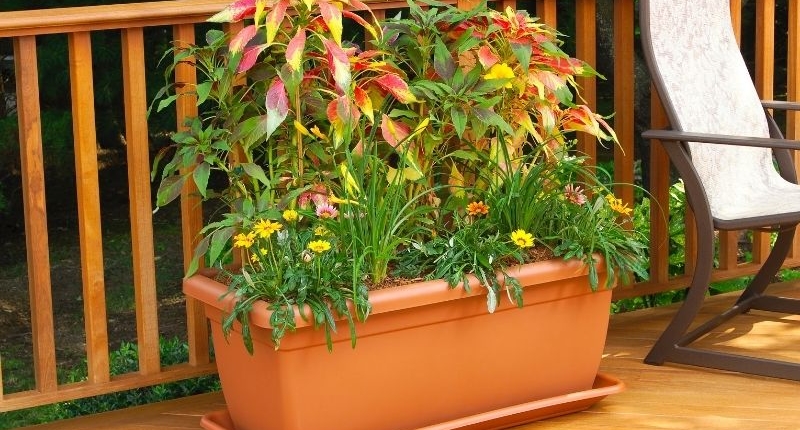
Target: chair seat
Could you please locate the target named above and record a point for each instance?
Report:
(781, 198)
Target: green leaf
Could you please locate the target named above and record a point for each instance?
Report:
(200, 175)
(199, 252)
(219, 240)
(170, 189)
(459, 119)
(251, 131)
(443, 62)
(166, 102)
(255, 171)
(491, 118)
(523, 53)
(203, 90)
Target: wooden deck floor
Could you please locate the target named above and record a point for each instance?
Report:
(666, 397)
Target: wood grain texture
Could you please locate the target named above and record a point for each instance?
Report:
(35, 210)
(90, 231)
(141, 210)
(624, 86)
(191, 205)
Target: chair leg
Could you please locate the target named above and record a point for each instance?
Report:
(686, 314)
(673, 344)
(773, 263)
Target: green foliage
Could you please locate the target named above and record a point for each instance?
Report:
(338, 164)
(123, 360)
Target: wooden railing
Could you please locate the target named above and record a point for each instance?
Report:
(131, 19)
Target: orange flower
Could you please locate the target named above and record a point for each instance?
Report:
(477, 208)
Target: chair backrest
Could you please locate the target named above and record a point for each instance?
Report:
(704, 84)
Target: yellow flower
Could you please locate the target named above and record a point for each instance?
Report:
(243, 240)
(320, 231)
(500, 71)
(265, 228)
(254, 258)
(477, 208)
(617, 205)
(290, 215)
(522, 238)
(319, 246)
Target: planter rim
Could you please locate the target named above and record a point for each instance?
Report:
(204, 287)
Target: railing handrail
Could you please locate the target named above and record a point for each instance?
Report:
(105, 17)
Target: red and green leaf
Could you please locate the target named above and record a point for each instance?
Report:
(339, 64)
(237, 11)
(394, 132)
(487, 57)
(364, 103)
(275, 19)
(242, 38)
(277, 106)
(249, 58)
(333, 18)
(397, 87)
(294, 50)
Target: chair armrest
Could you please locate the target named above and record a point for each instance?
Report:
(780, 105)
(682, 136)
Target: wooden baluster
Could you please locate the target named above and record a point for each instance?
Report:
(736, 19)
(33, 197)
(91, 239)
(764, 80)
(624, 114)
(546, 11)
(586, 50)
(659, 204)
(141, 210)
(191, 206)
(793, 91)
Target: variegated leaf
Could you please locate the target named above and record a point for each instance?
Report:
(333, 18)
(393, 132)
(275, 19)
(340, 65)
(237, 11)
(294, 50)
(241, 39)
(277, 106)
(397, 87)
(364, 103)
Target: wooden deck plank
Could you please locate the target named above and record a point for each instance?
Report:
(657, 397)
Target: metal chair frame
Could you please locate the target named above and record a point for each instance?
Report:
(675, 343)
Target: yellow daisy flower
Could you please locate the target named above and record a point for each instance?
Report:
(319, 246)
(617, 205)
(290, 215)
(244, 240)
(265, 228)
(522, 238)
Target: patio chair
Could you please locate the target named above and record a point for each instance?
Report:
(726, 146)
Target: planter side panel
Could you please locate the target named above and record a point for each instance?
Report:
(405, 373)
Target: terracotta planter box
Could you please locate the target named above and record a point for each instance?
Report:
(427, 357)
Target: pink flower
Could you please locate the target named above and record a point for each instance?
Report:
(326, 210)
(574, 194)
(317, 194)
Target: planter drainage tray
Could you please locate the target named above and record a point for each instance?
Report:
(604, 385)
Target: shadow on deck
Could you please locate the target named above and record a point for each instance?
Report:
(666, 397)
